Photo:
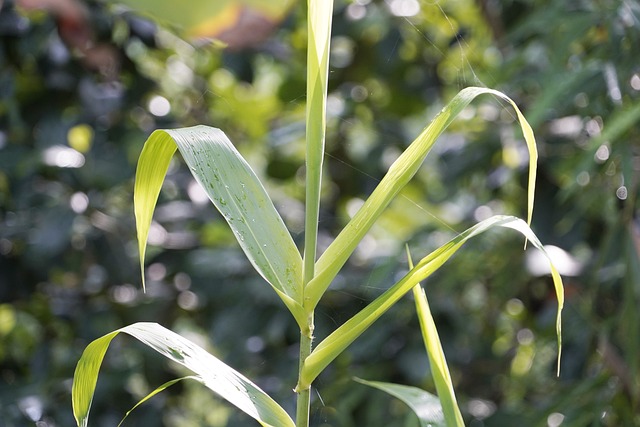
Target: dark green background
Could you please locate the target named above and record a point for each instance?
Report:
(68, 258)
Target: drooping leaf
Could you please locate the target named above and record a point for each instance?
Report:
(152, 168)
(86, 377)
(437, 361)
(212, 372)
(236, 192)
(425, 405)
(342, 337)
(399, 174)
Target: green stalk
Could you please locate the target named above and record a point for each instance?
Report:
(303, 403)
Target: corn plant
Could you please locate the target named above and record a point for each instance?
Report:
(300, 280)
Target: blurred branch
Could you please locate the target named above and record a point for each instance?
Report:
(616, 364)
(74, 26)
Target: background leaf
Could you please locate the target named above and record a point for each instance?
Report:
(425, 405)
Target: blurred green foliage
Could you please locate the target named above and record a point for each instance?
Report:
(72, 123)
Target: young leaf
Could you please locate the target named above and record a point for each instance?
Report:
(236, 192)
(212, 372)
(319, 27)
(342, 337)
(425, 405)
(399, 174)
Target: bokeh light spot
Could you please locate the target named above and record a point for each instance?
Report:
(159, 106)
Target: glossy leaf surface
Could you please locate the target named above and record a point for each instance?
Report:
(236, 192)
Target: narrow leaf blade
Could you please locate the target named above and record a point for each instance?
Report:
(215, 374)
(425, 405)
(399, 174)
(342, 337)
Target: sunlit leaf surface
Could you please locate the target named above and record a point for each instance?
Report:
(236, 192)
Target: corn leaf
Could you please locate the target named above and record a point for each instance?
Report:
(212, 372)
(425, 405)
(342, 337)
(236, 192)
(399, 174)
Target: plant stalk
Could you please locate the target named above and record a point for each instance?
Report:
(303, 403)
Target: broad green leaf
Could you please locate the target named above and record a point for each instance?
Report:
(342, 337)
(319, 28)
(212, 372)
(156, 391)
(437, 360)
(236, 192)
(425, 405)
(399, 174)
